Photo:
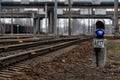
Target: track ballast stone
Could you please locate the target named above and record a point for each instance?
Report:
(73, 65)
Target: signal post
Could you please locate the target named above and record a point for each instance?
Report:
(99, 45)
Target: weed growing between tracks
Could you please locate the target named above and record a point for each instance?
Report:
(74, 65)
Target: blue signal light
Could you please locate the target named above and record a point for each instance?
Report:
(100, 32)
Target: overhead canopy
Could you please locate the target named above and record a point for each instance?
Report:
(54, 0)
(61, 3)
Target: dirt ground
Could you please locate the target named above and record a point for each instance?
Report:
(76, 65)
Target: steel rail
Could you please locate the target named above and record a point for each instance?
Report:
(5, 61)
(33, 44)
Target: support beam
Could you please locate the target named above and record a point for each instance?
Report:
(69, 26)
(39, 25)
(113, 28)
(12, 28)
(34, 26)
(116, 16)
(46, 17)
(55, 18)
(89, 10)
(81, 4)
(51, 21)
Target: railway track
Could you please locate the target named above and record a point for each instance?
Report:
(7, 71)
(11, 50)
(15, 37)
(22, 36)
(17, 41)
(33, 44)
(9, 42)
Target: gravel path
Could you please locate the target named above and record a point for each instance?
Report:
(75, 65)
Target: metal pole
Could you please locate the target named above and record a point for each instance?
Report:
(17, 29)
(31, 27)
(38, 25)
(3, 26)
(34, 24)
(116, 16)
(27, 25)
(58, 29)
(11, 22)
(89, 21)
(0, 18)
(34, 21)
(55, 18)
(90, 26)
(69, 26)
(0, 6)
(3, 23)
(46, 18)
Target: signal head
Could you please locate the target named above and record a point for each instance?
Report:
(100, 29)
(100, 25)
(100, 33)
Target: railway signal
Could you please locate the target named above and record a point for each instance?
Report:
(99, 45)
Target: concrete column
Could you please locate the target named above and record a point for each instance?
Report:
(34, 26)
(113, 28)
(89, 21)
(99, 58)
(69, 16)
(39, 25)
(100, 55)
(116, 16)
(51, 22)
(12, 28)
(46, 17)
(55, 19)
(37, 29)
